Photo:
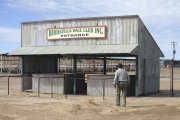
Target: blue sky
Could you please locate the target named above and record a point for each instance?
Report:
(161, 17)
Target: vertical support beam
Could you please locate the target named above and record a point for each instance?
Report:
(172, 64)
(58, 64)
(52, 87)
(75, 71)
(39, 87)
(1, 63)
(92, 65)
(97, 65)
(104, 65)
(9, 66)
(83, 65)
(103, 89)
(55, 60)
(8, 85)
(71, 64)
(80, 64)
(66, 87)
(144, 77)
(22, 73)
(111, 66)
(136, 83)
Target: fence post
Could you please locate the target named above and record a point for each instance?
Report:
(39, 87)
(52, 87)
(172, 64)
(1, 63)
(66, 87)
(8, 85)
(103, 88)
(144, 77)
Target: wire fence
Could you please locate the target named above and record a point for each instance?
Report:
(169, 80)
(169, 77)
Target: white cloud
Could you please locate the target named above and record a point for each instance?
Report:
(160, 11)
(10, 35)
(161, 17)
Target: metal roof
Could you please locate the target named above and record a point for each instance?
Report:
(87, 49)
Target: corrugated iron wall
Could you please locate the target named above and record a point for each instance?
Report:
(37, 64)
(45, 83)
(95, 85)
(148, 49)
(119, 31)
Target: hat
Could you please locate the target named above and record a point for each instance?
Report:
(120, 65)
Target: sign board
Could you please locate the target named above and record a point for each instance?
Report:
(76, 32)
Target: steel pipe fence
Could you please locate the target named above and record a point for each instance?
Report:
(52, 78)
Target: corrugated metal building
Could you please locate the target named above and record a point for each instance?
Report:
(125, 36)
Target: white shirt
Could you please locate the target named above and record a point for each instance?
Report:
(121, 75)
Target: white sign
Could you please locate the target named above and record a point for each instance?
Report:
(76, 32)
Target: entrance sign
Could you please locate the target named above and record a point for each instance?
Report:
(76, 32)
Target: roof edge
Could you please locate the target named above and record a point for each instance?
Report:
(82, 18)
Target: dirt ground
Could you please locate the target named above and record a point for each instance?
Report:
(28, 106)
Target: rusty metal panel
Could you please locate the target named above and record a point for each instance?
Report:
(26, 34)
(40, 32)
(115, 31)
(130, 31)
(45, 83)
(95, 85)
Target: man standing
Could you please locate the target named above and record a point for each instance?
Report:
(121, 80)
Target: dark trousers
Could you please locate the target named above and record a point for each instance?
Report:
(121, 86)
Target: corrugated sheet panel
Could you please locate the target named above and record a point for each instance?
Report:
(45, 83)
(95, 85)
(119, 31)
(148, 49)
(88, 49)
(26, 34)
(47, 50)
(85, 49)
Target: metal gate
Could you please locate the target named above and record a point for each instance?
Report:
(169, 76)
(175, 78)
